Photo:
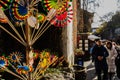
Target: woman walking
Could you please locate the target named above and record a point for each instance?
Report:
(117, 61)
(111, 59)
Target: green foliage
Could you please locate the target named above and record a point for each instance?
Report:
(115, 21)
(102, 27)
(108, 28)
(53, 70)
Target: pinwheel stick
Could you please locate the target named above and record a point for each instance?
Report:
(28, 47)
(12, 35)
(9, 71)
(33, 2)
(43, 27)
(40, 71)
(36, 68)
(23, 32)
(33, 33)
(14, 29)
(16, 69)
(11, 25)
(41, 32)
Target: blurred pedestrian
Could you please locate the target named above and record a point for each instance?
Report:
(117, 61)
(111, 59)
(91, 49)
(100, 53)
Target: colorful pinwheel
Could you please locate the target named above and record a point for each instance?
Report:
(15, 57)
(63, 14)
(3, 20)
(18, 12)
(61, 18)
(35, 56)
(24, 69)
(41, 17)
(3, 62)
(2, 17)
(48, 4)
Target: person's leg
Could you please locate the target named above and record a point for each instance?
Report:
(110, 75)
(118, 72)
(113, 75)
(98, 72)
(99, 76)
(105, 73)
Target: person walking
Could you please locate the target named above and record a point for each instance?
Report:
(100, 53)
(117, 61)
(111, 59)
(91, 49)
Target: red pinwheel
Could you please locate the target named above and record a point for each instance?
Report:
(61, 18)
(64, 13)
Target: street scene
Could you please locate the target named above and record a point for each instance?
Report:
(91, 75)
(59, 39)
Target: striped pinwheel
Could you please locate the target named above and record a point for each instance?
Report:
(56, 4)
(62, 17)
(18, 12)
(15, 57)
(5, 4)
(63, 14)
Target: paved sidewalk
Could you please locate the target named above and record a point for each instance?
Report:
(91, 71)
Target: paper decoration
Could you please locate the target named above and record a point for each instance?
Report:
(18, 12)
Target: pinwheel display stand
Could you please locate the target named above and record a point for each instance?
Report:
(27, 15)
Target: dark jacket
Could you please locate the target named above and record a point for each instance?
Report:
(117, 63)
(100, 51)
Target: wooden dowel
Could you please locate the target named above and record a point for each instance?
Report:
(12, 35)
